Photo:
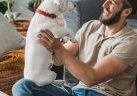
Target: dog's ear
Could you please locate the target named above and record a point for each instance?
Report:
(56, 1)
(59, 3)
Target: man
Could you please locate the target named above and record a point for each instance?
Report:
(107, 56)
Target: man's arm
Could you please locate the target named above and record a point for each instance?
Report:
(72, 48)
(105, 69)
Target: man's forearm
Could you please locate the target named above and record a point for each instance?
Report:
(80, 70)
(72, 48)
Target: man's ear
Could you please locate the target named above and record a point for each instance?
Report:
(126, 12)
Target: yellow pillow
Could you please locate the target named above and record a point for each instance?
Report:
(11, 69)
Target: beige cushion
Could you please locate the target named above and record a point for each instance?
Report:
(3, 94)
(10, 39)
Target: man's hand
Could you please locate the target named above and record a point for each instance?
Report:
(47, 39)
(56, 60)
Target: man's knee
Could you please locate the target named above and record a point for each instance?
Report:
(22, 84)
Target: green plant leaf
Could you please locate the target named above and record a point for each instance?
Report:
(16, 14)
(30, 5)
(11, 16)
(8, 15)
(4, 3)
(33, 4)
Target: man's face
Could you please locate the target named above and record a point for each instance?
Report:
(112, 10)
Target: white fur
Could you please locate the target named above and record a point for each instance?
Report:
(37, 57)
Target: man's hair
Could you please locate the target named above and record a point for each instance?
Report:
(132, 4)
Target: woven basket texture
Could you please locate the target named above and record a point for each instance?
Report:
(11, 69)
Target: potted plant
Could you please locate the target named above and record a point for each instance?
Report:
(9, 14)
(33, 5)
(20, 25)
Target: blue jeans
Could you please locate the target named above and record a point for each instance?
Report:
(28, 88)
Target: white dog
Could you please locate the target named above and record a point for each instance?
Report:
(38, 58)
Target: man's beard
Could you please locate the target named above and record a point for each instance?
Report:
(112, 20)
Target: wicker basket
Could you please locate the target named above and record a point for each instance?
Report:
(11, 69)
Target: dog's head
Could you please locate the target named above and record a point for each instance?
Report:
(56, 6)
(64, 5)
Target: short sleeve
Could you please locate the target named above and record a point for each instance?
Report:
(81, 31)
(126, 51)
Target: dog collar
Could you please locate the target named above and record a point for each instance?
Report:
(53, 16)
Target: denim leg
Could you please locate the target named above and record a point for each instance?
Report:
(28, 88)
(78, 91)
(93, 93)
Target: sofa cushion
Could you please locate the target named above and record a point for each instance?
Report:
(3, 94)
(72, 19)
(132, 23)
(10, 39)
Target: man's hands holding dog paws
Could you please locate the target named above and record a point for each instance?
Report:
(47, 39)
